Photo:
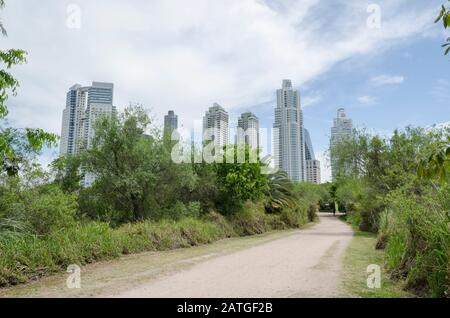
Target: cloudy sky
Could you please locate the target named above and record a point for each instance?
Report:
(185, 55)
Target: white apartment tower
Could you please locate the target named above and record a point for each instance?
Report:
(84, 105)
(215, 126)
(289, 145)
(248, 130)
(342, 128)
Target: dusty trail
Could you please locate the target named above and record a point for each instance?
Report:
(306, 264)
(300, 263)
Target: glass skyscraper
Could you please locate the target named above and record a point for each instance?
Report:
(289, 145)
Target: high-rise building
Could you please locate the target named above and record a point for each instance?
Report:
(312, 164)
(69, 121)
(313, 171)
(84, 105)
(342, 128)
(170, 123)
(248, 130)
(289, 145)
(215, 125)
(309, 151)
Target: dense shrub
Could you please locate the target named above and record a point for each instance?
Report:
(416, 235)
(250, 221)
(41, 210)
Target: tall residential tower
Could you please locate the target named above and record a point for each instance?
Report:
(342, 128)
(215, 125)
(248, 130)
(289, 145)
(170, 123)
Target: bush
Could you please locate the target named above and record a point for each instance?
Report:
(221, 222)
(416, 236)
(42, 210)
(251, 220)
(295, 217)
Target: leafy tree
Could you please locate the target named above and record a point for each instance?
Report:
(434, 164)
(378, 166)
(67, 173)
(444, 15)
(15, 144)
(239, 182)
(135, 176)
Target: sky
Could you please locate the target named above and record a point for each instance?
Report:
(380, 60)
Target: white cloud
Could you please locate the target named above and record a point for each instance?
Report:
(311, 100)
(387, 80)
(367, 100)
(186, 55)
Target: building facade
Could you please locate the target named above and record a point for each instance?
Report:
(248, 130)
(313, 171)
(215, 126)
(342, 128)
(312, 164)
(170, 123)
(288, 136)
(309, 151)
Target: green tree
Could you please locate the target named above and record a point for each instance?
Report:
(239, 182)
(434, 163)
(67, 173)
(135, 176)
(279, 192)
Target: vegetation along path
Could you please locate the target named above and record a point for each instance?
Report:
(300, 263)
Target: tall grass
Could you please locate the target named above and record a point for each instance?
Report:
(416, 235)
(25, 256)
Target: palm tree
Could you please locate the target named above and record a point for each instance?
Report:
(280, 193)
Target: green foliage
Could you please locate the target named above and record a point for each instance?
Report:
(416, 233)
(67, 173)
(36, 209)
(279, 192)
(135, 176)
(239, 182)
(382, 165)
(444, 16)
(308, 196)
(434, 164)
(401, 192)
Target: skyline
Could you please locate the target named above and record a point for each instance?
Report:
(187, 62)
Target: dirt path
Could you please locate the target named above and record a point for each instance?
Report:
(304, 263)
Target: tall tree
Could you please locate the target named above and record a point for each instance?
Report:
(135, 176)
